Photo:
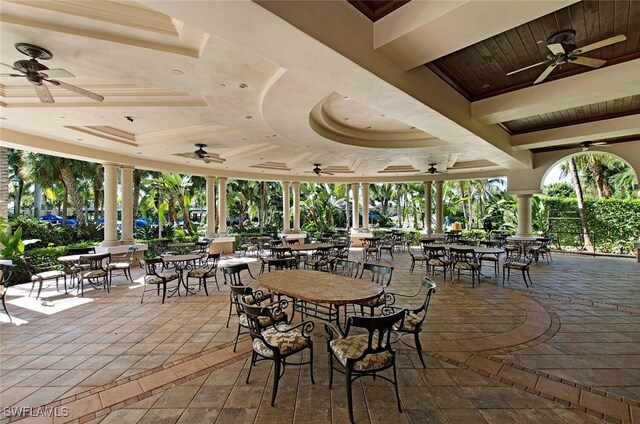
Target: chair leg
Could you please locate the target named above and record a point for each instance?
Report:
(253, 360)
(235, 345)
(395, 384)
(164, 291)
(276, 380)
(413, 264)
(349, 394)
(4, 305)
(311, 363)
(204, 283)
(416, 337)
(330, 354)
(230, 304)
(39, 288)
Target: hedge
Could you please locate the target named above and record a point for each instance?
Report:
(614, 224)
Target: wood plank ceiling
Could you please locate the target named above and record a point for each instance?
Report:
(479, 71)
(376, 9)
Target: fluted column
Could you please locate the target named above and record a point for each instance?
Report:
(286, 204)
(110, 204)
(222, 198)
(296, 207)
(524, 215)
(211, 206)
(126, 176)
(427, 206)
(439, 207)
(365, 206)
(355, 188)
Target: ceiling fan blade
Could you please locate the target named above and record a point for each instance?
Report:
(78, 90)
(58, 73)
(11, 75)
(600, 44)
(556, 48)
(205, 159)
(43, 93)
(327, 173)
(8, 66)
(546, 73)
(588, 61)
(527, 67)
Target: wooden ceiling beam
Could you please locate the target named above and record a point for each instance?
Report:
(600, 85)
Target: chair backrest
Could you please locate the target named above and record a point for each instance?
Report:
(412, 253)
(275, 243)
(280, 251)
(346, 268)
(461, 254)
(285, 263)
(322, 252)
(238, 294)
(293, 242)
(151, 264)
(430, 287)
(213, 258)
(255, 312)
(434, 251)
(202, 246)
(232, 275)
(95, 261)
(380, 274)
(378, 329)
(5, 273)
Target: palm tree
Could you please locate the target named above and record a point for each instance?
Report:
(575, 179)
(177, 188)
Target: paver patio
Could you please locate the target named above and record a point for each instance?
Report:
(565, 350)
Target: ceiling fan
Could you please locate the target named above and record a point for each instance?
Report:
(37, 73)
(318, 171)
(433, 170)
(586, 144)
(201, 153)
(563, 51)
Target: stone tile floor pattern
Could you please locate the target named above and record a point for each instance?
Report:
(565, 350)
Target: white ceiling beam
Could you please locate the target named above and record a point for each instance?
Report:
(598, 130)
(599, 85)
(422, 31)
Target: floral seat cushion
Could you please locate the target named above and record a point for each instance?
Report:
(153, 279)
(467, 265)
(352, 347)
(286, 340)
(411, 322)
(120, 265)
(202, 272)
(375, 302)
(93, 273)
(264, 320)
(516, 265)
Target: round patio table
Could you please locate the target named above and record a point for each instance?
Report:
(319, 287)
(181, 262)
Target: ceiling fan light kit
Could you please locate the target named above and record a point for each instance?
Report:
(563, 51)
(37, 73)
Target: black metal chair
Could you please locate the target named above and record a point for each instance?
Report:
(370, 249)
(388, 244)
(123, 263)
(364, 354)
(416, 257)
(5, 274)
(277, 342)
(519, 264)
(381, 275)
(414, 317)
(320, 260)
(98, 268)
(155, 278)
(438, 258)
(464, 259)
(541, 249)
(233, 277)
(39, 273)
(208, 269)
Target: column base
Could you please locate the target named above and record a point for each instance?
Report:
(126, 241)
(108, 243)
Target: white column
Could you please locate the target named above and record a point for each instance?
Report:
(296, 207)
(222, 198)
(286, 203)
(110, 204)
(365, 206)
(427, 206)
(355, 188)
(439, 207)
(126, 175)
(211, 206)
(524, 215)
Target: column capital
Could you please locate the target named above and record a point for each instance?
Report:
(125, 166)
(210, 177)
(427, 183)
(111, 165)
(221, 179)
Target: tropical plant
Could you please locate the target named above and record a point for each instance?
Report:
(11, 244)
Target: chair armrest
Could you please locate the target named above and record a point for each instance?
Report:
(333, 332)
(306, 328)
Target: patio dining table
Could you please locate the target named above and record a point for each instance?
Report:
(523, 244)
(181, 262)
(71, 261)
(319, 288)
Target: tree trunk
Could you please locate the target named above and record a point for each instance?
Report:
(263, 201)
(18, 199)
(98, 182)
(137, 180)
(70, 188)
(37, 200)
(596, 171)
(65, 201)
(185, 213)
(581, 210)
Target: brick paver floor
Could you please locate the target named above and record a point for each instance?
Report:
(565, 350)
